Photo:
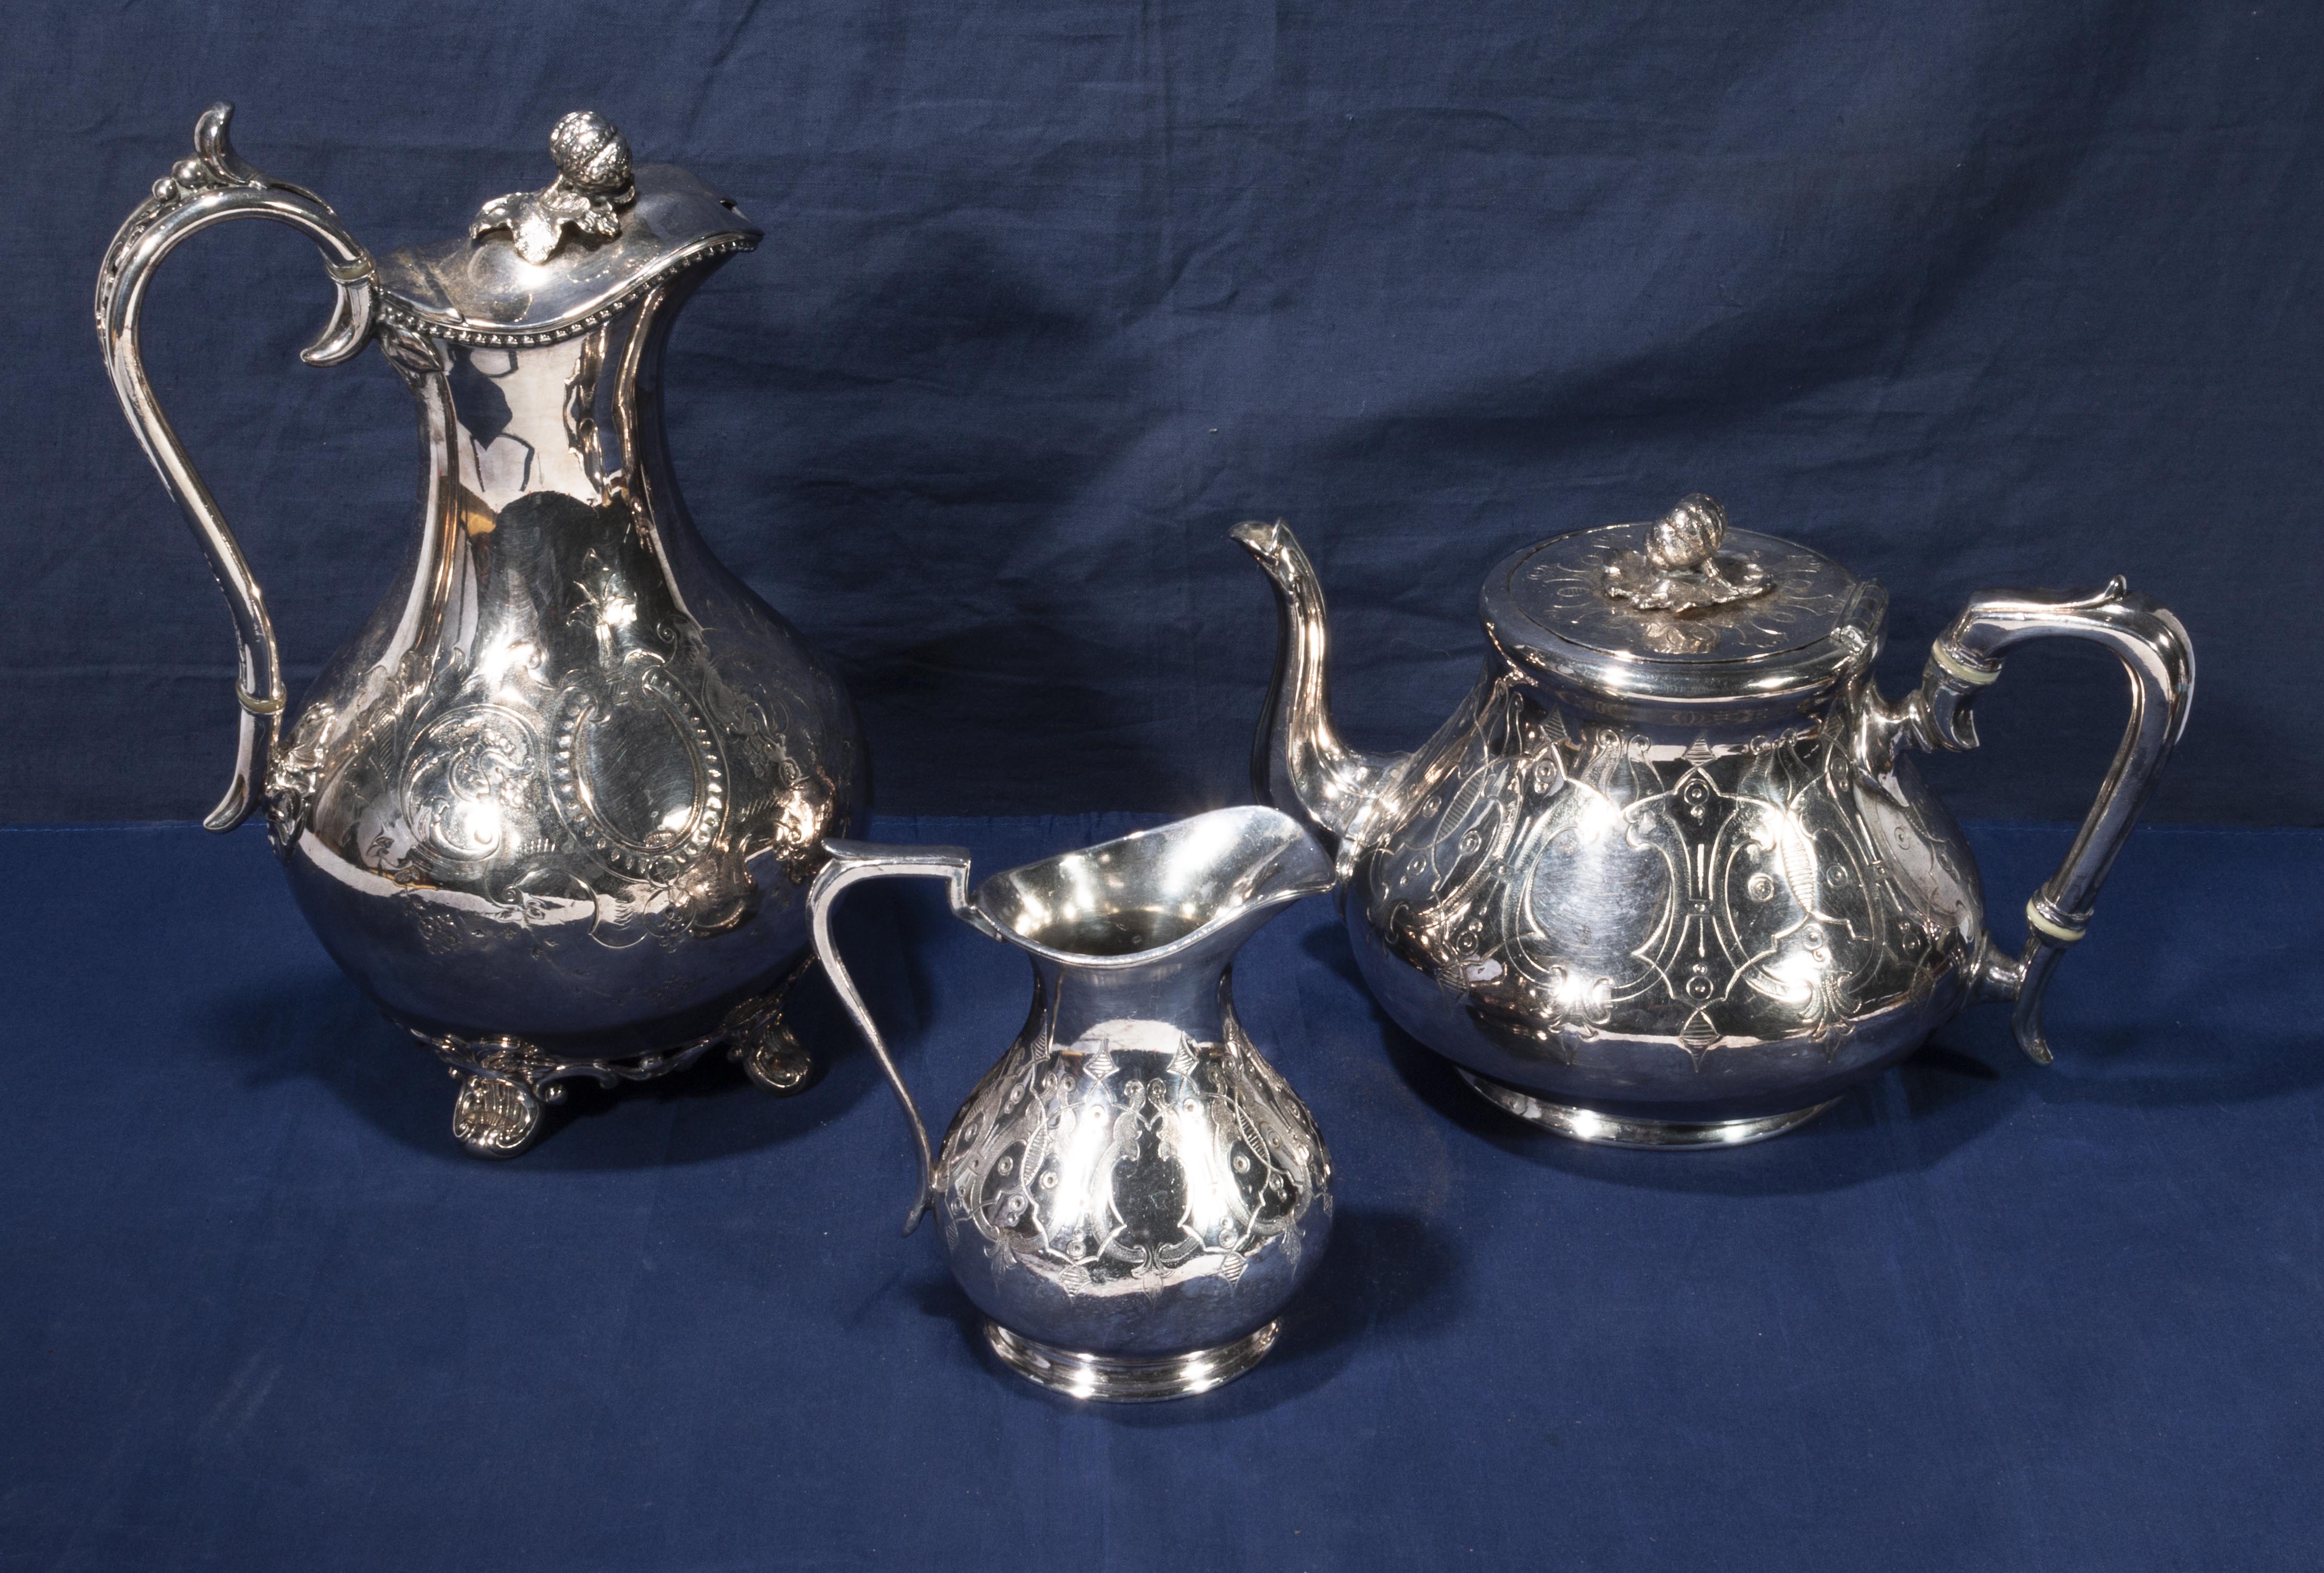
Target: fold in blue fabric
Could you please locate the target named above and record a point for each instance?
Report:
(1056, 291)
(258, 1311)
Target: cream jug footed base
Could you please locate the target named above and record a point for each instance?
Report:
(1577, 1124)
(1129, 1379)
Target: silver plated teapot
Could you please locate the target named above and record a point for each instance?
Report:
(556, 807)
(1668, 877)
(1132, 1192)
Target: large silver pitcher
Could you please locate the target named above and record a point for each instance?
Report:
(557, 806)
(1131, 1193)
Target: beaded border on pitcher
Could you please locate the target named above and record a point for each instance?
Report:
(400, 313)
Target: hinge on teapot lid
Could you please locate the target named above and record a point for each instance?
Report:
(1682, 570)
(592, 185)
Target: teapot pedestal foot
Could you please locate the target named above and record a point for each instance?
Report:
(771, 1054)
(1604, 1130)
(1126, 1379)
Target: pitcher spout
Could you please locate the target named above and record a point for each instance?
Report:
(1299, 763)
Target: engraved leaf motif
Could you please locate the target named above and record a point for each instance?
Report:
(1036, 1148)
(1251, 1136)
(1799, 861)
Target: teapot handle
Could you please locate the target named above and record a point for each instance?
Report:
(853, 862)
(215, 185)
(2154, 650)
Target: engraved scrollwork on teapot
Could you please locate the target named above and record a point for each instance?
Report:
(1667, 877)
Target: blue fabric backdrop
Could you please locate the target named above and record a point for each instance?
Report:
(1055, 291)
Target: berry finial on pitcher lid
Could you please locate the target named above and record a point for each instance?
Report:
(590, 152)
(592, 185)
(535, 267)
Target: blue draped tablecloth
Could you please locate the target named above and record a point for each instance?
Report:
(257, 1311)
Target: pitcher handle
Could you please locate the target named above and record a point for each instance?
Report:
(853, 862)
(1966, 660)
(210, 188)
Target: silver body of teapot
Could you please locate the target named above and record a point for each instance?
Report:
(1132, 1192)
(1668, 876)
(556, 807)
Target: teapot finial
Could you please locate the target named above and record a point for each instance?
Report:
(1689, 534)
(1682, 570)
(592, 183)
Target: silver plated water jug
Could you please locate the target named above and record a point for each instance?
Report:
(556, 807)
(1668, 877)
(1132, 1193)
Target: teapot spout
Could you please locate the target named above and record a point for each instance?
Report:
(1299, 763)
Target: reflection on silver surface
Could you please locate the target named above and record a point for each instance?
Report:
(1132, 1193)
(1668, 876)
(1133, 1380)
(556, 807)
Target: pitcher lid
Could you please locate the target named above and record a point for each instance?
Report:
(1681, 607)
(538, 266)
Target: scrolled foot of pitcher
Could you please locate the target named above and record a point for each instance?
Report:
(494, 1116)
(775, 1059)
(770, 1053)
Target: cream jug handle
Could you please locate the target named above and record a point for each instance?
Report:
(853, 862)
(2154, 650)
(212, 186)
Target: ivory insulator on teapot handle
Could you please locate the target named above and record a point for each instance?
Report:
(212, 186)
(2154, 650)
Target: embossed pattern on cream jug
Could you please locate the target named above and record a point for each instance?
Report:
(1131, 1192)
(557, 806)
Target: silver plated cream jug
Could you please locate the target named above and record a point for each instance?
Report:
(557, 807)
(1668, 877)
(1132, 1193)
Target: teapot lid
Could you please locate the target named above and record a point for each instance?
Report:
(1681, 608)
(538, 266)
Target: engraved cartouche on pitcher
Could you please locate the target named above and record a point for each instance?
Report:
(557, 806)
